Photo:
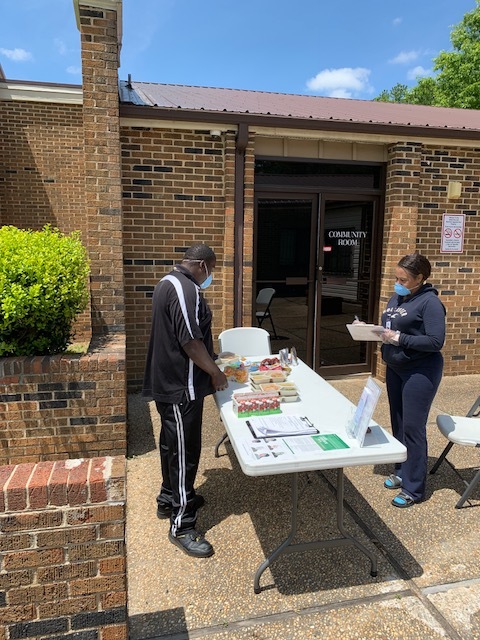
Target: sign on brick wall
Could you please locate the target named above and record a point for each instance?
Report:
(453, 233)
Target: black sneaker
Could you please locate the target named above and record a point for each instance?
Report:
(192, 543)
(165, 510)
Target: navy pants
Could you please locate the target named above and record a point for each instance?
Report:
(180, 447)
(411, 392)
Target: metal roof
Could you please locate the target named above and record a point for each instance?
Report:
(296, 107)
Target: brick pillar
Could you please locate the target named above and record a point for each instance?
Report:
(98, 24)
(402, 200)
(248, 241)
(401, 216)
(229, 233)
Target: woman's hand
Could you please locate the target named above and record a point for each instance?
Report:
(391, 337)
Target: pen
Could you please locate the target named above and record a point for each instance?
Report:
(251, 429)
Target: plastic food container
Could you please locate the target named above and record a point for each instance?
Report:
(270, 386)
(289, 398)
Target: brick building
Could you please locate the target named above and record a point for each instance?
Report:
(315, 197)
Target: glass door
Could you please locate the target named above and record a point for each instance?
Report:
(286, 250)
(348, 270)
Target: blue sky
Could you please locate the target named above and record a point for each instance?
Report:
(342, 48)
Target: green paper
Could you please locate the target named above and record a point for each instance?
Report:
(330, 441)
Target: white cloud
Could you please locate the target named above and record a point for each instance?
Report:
(405, 57)
(341, 83)
(60, 46)
(397, 21)
(17, 55)
(416, 72)
(75, 71)
(340, 93)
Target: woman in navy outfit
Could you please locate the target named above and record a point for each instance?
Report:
(414, 322)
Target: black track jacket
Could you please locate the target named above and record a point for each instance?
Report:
(179, 314)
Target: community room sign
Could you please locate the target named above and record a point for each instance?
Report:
(345, 237)
(453, 233)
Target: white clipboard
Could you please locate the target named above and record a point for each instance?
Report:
(370, 332)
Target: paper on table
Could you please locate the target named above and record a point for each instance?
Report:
(369, 332)
(283, 425)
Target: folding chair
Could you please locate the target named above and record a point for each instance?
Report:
(264, 299)
(244, 341)
(461, 430)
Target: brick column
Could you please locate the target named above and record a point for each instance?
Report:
(401, 216)
(401, 201)
(98, 24)
(248, 240)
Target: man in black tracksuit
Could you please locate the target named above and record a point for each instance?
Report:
(414, 322)
(180, 371)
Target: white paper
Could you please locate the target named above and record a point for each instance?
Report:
(369, 332)
(282, 425)
(259, 449)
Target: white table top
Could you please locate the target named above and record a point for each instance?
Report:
(329, 411)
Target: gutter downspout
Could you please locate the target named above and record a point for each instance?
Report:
(241, 142)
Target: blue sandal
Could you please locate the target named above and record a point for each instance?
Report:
(403, 500)
(393, 482)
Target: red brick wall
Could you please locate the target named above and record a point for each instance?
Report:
(416, 199)
(174, 195)
(62, 551)
(58, 407)
(42, 166)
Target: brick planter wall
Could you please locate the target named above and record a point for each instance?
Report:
(57, 407)
(62, 553)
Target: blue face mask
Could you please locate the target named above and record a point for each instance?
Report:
(208, 280)
(401, 290)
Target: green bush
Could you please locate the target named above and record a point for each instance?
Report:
(43, 287)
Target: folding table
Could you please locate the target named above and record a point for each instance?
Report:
(330, 412)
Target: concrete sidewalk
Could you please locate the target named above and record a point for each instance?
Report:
(428, 583)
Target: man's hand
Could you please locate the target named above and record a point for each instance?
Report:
(219, 380)
(196, 351)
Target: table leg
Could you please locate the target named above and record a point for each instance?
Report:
(341, 527)
(346, 540)
(293, 530)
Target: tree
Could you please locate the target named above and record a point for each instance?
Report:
(398, 93)
(457, 79)
(425, 92)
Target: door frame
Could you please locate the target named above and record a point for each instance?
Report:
(314, 198)
(318, 200)
(374, 281)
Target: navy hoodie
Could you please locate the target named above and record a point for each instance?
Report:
(421, 321)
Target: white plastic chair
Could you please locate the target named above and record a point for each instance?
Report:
(244, 341)
(461, 430)
(264, 299)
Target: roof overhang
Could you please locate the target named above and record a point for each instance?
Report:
(397, 131)
(40, 92)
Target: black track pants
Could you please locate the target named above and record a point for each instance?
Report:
(180, 447)
(411, 393)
